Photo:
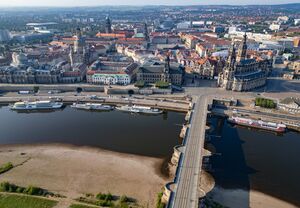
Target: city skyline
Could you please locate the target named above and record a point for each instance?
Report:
(70, 3)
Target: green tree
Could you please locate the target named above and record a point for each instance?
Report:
(162, 84)
(32, 190)
(36, 89)
(140, 84)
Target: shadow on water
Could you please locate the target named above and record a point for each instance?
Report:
(248, 159)
(228, 167)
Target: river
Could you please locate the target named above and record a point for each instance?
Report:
(248, 159)
(145, 135)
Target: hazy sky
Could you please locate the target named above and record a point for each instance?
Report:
(134, 2)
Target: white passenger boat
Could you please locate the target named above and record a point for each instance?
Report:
(280, 128)
(92, 106)
(37, 105)
(139, 109)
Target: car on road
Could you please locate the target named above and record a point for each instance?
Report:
(94, 97)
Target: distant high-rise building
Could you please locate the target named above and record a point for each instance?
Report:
(108, 25)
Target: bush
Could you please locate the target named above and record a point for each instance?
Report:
(36, 89)
(265, 103)
(108, 197)
(162, 84)
(159, 203)
(6, 167)
(140, 84)
(7, 187)
(123, 199)
(12, 188)
(101, 196)
(104, 203)
(32, 190)
(4, 186)
(20, 190)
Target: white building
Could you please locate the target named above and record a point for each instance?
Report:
(296, 21)
(184, 25)
(283, 19)
(111, 79)
(275, 27)
(111, 73)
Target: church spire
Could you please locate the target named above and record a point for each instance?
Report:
(242, 52)
(146, 35)
(167, 63)
(108, 25)
(231, 55)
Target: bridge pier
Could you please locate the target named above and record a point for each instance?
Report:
(183, 131)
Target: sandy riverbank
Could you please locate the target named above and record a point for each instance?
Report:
(261, 200)
(243, 199)
(73, 171)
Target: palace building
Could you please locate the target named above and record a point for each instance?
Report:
(241, 73)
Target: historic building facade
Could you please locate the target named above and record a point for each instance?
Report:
(242, 74)
(152, 72)
(111, 73)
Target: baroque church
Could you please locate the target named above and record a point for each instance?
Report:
(241, 73)
(80, 53)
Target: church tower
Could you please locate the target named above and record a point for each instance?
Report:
(231, 56)
(71, 56)
(79, 42)
(108, 25)
(242, 52)
(146, 35)
(166, 74)
(227, 78)
(167, 64)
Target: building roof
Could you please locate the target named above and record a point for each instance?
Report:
(111, 35)
(247, 62)
(291, 100)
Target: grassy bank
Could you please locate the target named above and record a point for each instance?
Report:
(16, 201)
(107, 200)
(80, 206)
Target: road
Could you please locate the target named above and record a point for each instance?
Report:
(274, 115)
(186, 191)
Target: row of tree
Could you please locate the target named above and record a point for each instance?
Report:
(265, 103)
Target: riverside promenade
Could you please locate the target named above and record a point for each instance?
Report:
(186, 189)
(68, 98)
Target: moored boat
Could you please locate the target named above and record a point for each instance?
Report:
(92, 106)
(280, 128)
(37, 105)
(139, 109)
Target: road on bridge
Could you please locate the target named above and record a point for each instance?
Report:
(186, 190)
